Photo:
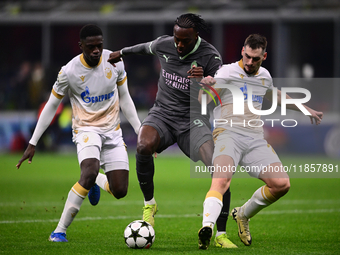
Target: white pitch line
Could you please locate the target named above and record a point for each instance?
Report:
(140, 202)
(296, 211)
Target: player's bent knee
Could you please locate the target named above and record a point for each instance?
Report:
(144, 148)
(220, 184)
(281, 187)
(118, 182)
(88, 180)
(285, 188)
(148, 140)
(119, 192)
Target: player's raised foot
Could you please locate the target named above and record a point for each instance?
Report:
(223, 241)
(94, 194)
(243, 225)
(57, 237)
(204, 236)
(149, 212)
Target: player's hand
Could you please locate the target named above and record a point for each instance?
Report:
(28, 154)
(196, 72)
(114, 57)
(208, 81)
(316, 116)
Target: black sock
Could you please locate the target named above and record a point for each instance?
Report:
(145, 172)
(221, 222)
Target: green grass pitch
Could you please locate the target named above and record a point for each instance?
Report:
(305, 221)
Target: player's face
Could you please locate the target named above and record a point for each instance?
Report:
(92, 48)
(185, 39)
(252, 59)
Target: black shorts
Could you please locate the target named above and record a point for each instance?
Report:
(189, 134)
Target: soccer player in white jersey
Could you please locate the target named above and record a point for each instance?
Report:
(96, 90)
(238, 144)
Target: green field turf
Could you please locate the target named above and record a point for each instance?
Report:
(305, 221)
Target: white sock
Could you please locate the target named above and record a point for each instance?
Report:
(212, 207)
(72, 205)
(260, 199)
(150, 202)
(101, 181)
(218, 233)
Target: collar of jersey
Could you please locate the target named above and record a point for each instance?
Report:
(193, 50)
(82, 60)
(240, 63)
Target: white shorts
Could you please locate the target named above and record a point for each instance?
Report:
(252, 154)
(109, 148)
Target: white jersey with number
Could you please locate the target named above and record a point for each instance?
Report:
(93, 92)
(247, 123)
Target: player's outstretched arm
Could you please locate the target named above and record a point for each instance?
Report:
(44, 121)
(139, 49)
(315, 115)
(128, 107)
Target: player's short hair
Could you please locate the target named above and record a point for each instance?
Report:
(190, 20)
(89, 30)
(256, 41)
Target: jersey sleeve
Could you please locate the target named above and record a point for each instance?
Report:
(214, 64)
(269, 79)
(122, 77)
(271, 84)
(61, 85)
(222, 75)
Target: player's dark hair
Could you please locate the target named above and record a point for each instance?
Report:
(190, 20)
(89, 30)
(256, 41)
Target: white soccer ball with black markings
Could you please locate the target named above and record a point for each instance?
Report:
(139, 235)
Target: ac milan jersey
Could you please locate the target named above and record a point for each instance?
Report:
(177, 94)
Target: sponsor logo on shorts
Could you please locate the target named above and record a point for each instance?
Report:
(85, 138)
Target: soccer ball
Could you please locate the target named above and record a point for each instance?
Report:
(139, 235)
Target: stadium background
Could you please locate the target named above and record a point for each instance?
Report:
(38, 37)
